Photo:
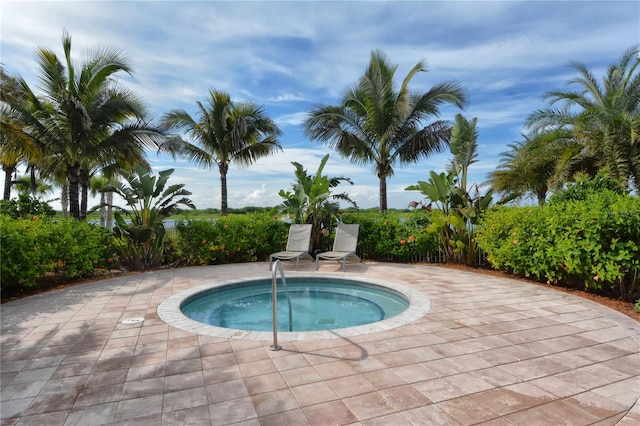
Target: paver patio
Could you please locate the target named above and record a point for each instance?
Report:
(490, 351)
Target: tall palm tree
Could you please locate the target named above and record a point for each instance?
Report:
(225, 131)
(377, 124)
(603, 117)
(83, 116)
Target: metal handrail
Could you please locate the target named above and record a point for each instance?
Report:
(277, 266)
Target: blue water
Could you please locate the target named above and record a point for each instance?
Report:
(315, 305)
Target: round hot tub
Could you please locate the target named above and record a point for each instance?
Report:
(310, 307)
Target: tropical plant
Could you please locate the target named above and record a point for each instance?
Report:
(603, 117)
(313, 202)
(377, 124)
(16, 145)
(141, 239)
(225, 131)
(458, 208)
(84, 118)
(532, 167)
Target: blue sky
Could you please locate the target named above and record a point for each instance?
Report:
(290, 55)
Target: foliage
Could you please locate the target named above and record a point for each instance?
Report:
(591, 244)
(584, 188)
(392, 236)
(252, 237)
(603, 118)
(26, 207)
(532, 167)
(225, 131)
(637, 306)
(141, 240)
(312, 202)
(84, 119)
(232, 238)
(457, 211)
(66, 249)
(378, 124)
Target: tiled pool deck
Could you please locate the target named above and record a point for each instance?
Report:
(489, 351)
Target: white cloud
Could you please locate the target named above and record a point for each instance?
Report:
(290, 55)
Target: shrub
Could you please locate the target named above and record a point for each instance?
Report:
(67, 249)
(391, 236)
(26, 207)
(243, 238)
(591, 244)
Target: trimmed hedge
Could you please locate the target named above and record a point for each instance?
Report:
(67, 249)
(392, 236)
(593, 244)
(230, 239)
(252, 237)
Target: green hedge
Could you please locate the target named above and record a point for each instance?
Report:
(252, 237)
(66, 249)
(392, 236)
(592, 244)
(230, 239)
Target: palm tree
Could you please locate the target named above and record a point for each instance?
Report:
(84, 117)
(225, 131)
(533, 166)
(603, 118)
(377, 124)
(16, 144)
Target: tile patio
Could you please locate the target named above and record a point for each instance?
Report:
(489, 351)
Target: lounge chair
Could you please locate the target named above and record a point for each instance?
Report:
(297, 245)
(344, 245)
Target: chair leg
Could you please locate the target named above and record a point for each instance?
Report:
(270, 263)
(317, 264)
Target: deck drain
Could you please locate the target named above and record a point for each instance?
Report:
(132, 320)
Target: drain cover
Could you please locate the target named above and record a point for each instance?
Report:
(326, 321)
(132, 320)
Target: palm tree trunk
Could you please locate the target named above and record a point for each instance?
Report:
(223, 188)
(8, 172)
(64, 200)
(109, 209)
(383, 194)
(103, 210)
(74, 193)
(84, 199)
(33, 183)
(542, 195)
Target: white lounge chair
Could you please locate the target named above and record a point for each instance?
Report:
(344, 245)
(297, 245)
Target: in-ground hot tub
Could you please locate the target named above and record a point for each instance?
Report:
(321, 307)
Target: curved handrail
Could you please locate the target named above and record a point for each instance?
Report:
(277, 266)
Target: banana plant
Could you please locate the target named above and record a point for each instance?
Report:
(312, 201)
(142, 236)
(457, 210)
